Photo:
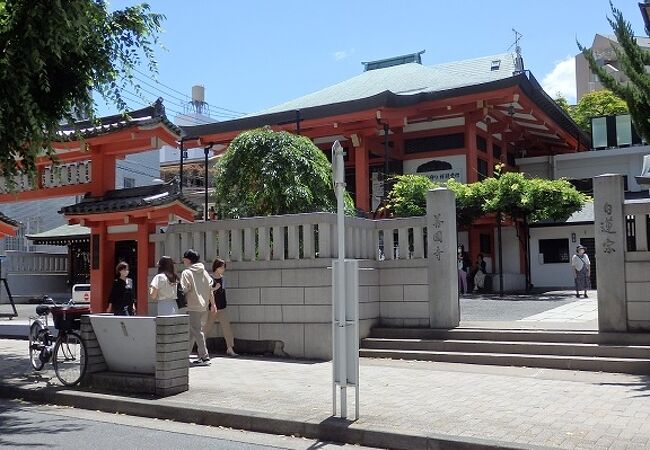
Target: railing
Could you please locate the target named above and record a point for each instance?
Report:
(637, 224)
(33, 262)
(295, 237)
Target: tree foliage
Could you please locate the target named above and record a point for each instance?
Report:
(266, 173)
(511, 193)
(593, 104)
(633, 61)
(53, 54)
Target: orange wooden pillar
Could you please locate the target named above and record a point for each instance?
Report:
(362, 175)
(102, 272)
(471, 150)
(142, 295)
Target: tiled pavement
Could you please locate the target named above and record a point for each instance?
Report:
(582, 310)
(559, 409)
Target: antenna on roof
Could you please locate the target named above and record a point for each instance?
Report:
(519, 60)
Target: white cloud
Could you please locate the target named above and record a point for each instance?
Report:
(342, 54)
(562, 80)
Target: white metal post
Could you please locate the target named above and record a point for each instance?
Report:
(339, 189)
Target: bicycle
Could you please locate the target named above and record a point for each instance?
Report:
(67, 350)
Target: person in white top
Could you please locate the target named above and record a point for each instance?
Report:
(163, 287)
(581, 268)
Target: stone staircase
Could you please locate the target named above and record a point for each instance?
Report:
(571, 350)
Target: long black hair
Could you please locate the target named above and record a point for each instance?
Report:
(166, 266)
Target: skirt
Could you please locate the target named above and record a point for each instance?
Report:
(582, 280)
(167, 307)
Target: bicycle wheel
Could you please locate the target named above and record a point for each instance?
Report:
(70, 358)
(37, 345)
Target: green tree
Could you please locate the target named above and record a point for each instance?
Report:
(408, 196)
(265, 173)
(53, 55)
(594, 104)
(563, 103)
(632, 61)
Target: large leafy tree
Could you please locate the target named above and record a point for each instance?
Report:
(593, 104)
(53, 55)
(265, 173)
(633, 61)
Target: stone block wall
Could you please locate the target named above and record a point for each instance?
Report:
(290, 302)
(172, 363)
(96, 362)
(637, 286)
(403, 293)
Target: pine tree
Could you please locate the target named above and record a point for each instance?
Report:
(633, 61)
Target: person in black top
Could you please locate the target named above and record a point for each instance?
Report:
(217, 307)
(121, 301)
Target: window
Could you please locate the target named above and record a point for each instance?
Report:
(129, 182)
(584, 185)
(481, 143)
(554, 250)
(599, 132)
(496, 63)
(623, 130)
(485, 244)
(433, 143)
(496, 151)
(482, 168)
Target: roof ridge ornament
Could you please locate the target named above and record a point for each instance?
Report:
(393, 61)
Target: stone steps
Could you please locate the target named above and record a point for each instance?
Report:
(571, 350)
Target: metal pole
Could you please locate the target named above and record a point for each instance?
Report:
(386, 169)
(181, 165)
(206, 151)
(500, 254)
(339, 184)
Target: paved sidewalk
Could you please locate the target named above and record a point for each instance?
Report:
(485, 405)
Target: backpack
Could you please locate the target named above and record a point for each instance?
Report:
(181, 301)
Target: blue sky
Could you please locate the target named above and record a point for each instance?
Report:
(251, 55)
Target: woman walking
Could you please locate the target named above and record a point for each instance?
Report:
(217, 309)
(581, 268)
(197, 286)
(163, 288)
(121, 301)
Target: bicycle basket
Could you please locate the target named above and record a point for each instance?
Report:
(68, 318)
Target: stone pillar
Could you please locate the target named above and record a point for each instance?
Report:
(609, 222)
(172, 365)
(444, 311)
(94, 355)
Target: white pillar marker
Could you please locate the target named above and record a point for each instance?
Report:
(345, 302)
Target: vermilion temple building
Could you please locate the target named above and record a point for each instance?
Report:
(398, 116)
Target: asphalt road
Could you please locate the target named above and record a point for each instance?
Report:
(23, 425)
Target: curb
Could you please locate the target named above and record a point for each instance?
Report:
(331, 429)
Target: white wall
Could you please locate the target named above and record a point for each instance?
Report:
(555, 274)
(626, 161)
(142, 167)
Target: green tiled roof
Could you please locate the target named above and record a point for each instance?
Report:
(406, 79)
(63, 235)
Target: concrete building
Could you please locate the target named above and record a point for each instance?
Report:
(602, 46)
(552, 244)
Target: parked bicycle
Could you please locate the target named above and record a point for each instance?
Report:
(67, 349)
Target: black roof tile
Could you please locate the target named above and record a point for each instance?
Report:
(130, 199)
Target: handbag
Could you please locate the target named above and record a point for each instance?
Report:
(181, 301)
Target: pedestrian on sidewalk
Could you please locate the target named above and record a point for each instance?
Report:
(218, 307)
(121, 301)
(479, 275)
(581, 268)
(163, 288)
(197, 286)
(463, 265)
